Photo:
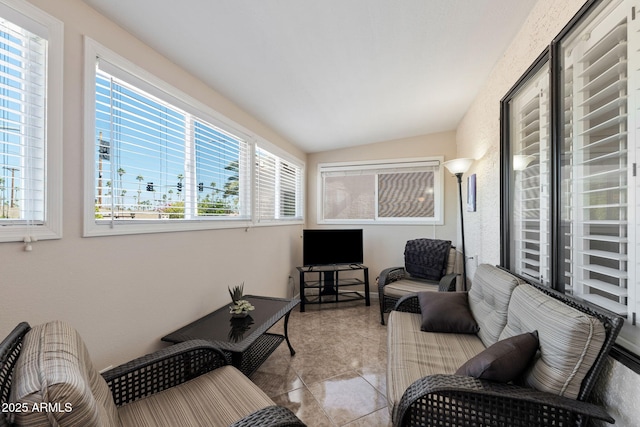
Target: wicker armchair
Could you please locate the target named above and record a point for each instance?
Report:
(396, 282)
(150, 375)
(454, 400)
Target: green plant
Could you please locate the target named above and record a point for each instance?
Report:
(236, 293)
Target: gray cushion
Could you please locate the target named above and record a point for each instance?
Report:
(504, 361)
(567, 352)
(413, 354)
(218, 398)
(54, 367)
(446, 312)
(489, 298)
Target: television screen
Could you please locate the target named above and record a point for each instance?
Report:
(328, 247)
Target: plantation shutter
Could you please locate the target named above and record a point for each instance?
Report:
(530, 148)
(597, 161)
(278, 188)
(23, 71)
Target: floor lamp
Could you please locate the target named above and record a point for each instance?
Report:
(458, 167)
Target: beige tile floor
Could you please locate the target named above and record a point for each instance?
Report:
(337, 376)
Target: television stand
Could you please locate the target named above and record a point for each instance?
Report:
(333, 283)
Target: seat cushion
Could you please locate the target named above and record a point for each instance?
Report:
(217, 398)
(413, 354)
(402, 287)
(489, 299)
(54, 369)
(570, 340)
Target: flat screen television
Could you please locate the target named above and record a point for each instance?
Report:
(329, 247)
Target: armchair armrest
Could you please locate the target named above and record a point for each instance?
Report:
(161, 370)
(389, 275)
(408, 304)
(461, 400)
(271, 416)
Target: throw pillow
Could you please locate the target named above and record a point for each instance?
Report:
(503, 361)
(446, 312)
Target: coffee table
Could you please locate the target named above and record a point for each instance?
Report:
(245, 339)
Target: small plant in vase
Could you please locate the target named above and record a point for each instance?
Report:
(240, 307)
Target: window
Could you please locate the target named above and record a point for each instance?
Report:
(592, 211)
(528, 112)
(30, 123)
(278, 188)
(400, 191)
(161, 161)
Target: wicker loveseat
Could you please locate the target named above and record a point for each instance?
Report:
(424, 383)
(47, 379)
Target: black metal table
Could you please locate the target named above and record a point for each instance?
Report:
(245, 339)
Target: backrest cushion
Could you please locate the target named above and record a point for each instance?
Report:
(54, 370)
(570, 340)
(489, 299)
(452, 261)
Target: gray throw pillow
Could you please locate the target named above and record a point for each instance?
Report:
(446, 312)
(503, 361)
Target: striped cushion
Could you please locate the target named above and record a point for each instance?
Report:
(403, 287)
(218, 398)
(413, 354)
(489, 298)
(54, 367)
(569, 340)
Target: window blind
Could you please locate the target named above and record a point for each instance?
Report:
(154, 160)
(23, 71)
(278, 188)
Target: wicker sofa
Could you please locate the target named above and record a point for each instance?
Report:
(424, 384)
(47, 379)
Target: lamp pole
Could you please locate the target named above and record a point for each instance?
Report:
(458, 167)
(464, 255)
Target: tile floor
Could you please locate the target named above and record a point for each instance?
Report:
(337, 376)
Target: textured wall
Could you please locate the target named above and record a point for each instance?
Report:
(478, 136)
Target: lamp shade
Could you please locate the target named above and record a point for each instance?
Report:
(457, 166)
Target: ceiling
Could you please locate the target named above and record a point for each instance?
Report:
(329, 74)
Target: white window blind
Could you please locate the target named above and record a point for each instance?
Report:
(393, 192)
(278, 188)
(156, 161)
(529, 111)
(23, 71)
(596, 162)
(30, 123)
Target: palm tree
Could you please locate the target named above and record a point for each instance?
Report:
(140, 178)
(120, 173)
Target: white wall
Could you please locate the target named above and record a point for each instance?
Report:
(384, 244)
(123, 293)
(478, 136)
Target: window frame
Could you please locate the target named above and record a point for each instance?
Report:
(92, 50)
(20, 12)
(408, 163)
(625, 349)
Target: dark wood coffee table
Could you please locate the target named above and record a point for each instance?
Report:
(245, 339)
